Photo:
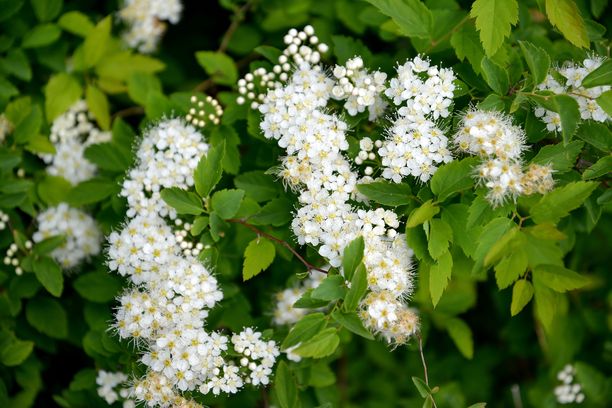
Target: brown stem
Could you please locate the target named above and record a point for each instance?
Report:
(423, 358)
(277, 240)
(436, 42)
(131, 111)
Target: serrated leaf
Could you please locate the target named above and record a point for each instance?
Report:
(330, 288)
(537, 59)
(48, 317)
(258, 256)
(304, 329)
(321, 345)
(495, 75)
(559, 202)
(209, 170)
(466, 43)
(49, 274)
(561, 157)
(565, 16)
(440, 234)
(605, 101)
(439, 275)
(184, 202)
(352, 256)
(558, 278)
(411, 16)
(359, 286)
(386, 193)
(494, 20)
(461, 334)
(602, 167)
(424, 213)
(257, 185)
(219, 66)
(547, 303)
(510, 268)
(352, 322)
(227, 202)
(453, 177)
(522, 292)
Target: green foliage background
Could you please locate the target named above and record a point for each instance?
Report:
(53, 326)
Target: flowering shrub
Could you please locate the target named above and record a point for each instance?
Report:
(305, 204)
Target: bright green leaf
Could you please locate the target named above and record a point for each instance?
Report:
(258, 256)
(184, 202)
(522, 292)
(565, 16)
(559, 202)
(227, 202)
(494, 20)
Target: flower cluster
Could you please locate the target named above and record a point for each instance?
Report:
(71, 133)
(4, 219)
(568, 392)
(302, 47)
(415, 145)
(285, 313)
(164, 311)
(574, 74)
(146, 21)
(360, 88)
(492, 136)
(81, 233)
(295, 115)
(207, 110)
(167, 157)
(11, 258)
(111, 390)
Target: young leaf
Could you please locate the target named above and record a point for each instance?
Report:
(258, 256)
(97, 102)
(439, 275)
(510, 268)
(209, 170)
(184, 202)
(494, 19)
(565, 16)
(558, 278)
(559, 202)
(537, 59)
(424, 213)
(386, 193)
(352, 256)
(522, 292)
(461, 334)
(96, 42)
(226, 202)
(61, 92)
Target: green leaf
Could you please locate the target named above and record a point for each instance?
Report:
(184, 202)
(561, 157)
(510, 268)
(439, 275)
(109, 156)
(421, 387)
(41, 35)
(478, 405)
(452, 178)
(29, 127)
(49, 274)
(92, 191)
(219, 66)
(257, 185)
(141, 85)
(424, 213)
(440, 234)
(97, 42)
(547, 303)
(258, 256)
(97, 102)
(565, 16)
(61, 92)
(605, 101)
(466, 43)
(330, 288)
(601, 168)
(321, 345)
(490, 234)
(227, 202)
(16, 63)
(558, 278)
(502, 246)
(352, 322)
(494, 19)
(567, 108)
(47, 10)
(15, 352)
(495, 75)
(7, 89)
(411, 16)
(209, 170)
(304, 329)
(386, 193)
(359, 286)
(537, 59)
(76, 23)
(522, 292)
(594, 383)
(53, 189)
(346, 48)
(48, 316)
(461, 334)
(45, 246)
(121, 65)
(285, 387)
(277, 212)
(559, 202)
(270, 53)
(98, 287)
(352, 256)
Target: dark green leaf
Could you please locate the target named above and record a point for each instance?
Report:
(352, 256)
(352, 322)
(49, 274)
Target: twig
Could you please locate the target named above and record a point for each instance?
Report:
(278, 240)
(436, 42)
(131, 111)
(516, 396)
(423, 358)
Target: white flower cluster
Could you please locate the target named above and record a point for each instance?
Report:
(415, 145)
(302, 46)
(4, 219)
(71, 133)
(167, 157)
(574, 74)
(181, 235)
(111, 387)
(146, 21)
(11, 259)
(285, 313)
(568, 392)
(295, 115)
(360, 88)
(492, 136)
(164, 311)
(81, 233)
(207, 110)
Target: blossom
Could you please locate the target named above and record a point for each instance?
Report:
(146, 21)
